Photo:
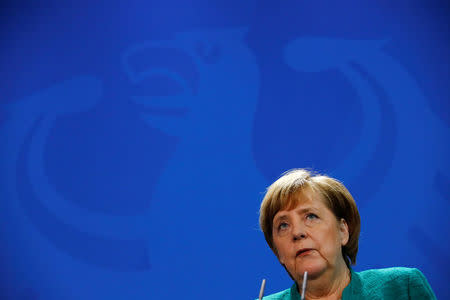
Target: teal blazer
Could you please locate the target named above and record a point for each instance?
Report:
(391, 283)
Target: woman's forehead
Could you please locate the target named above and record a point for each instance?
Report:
(301, 197)
(301, 203)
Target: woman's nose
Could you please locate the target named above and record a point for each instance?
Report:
(298, 233)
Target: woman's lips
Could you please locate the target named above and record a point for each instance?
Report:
(304, 252)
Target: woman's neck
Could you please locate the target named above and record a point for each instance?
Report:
(329, 285)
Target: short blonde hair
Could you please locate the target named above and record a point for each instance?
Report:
(337, 198)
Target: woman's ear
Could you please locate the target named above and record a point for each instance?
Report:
(343, 228)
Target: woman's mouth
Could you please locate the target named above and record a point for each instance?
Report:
(304, 252)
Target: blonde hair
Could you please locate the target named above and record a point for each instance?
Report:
(337, 198)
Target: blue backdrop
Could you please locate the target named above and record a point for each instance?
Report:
(138, 137)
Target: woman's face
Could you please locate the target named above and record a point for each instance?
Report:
(309, 237)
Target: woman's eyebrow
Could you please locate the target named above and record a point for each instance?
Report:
(279, 218)
(305, 210)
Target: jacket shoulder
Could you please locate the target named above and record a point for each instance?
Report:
(387, 274)
(399, 282)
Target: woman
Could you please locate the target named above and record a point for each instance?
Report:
(312, 224)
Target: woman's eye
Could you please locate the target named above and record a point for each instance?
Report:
(311, 216)
(283, 226)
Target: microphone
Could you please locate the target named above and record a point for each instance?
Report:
(261, 291)
(305, 277)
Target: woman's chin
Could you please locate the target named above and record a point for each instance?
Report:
(314, 270)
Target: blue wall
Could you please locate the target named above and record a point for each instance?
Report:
(138, 138)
